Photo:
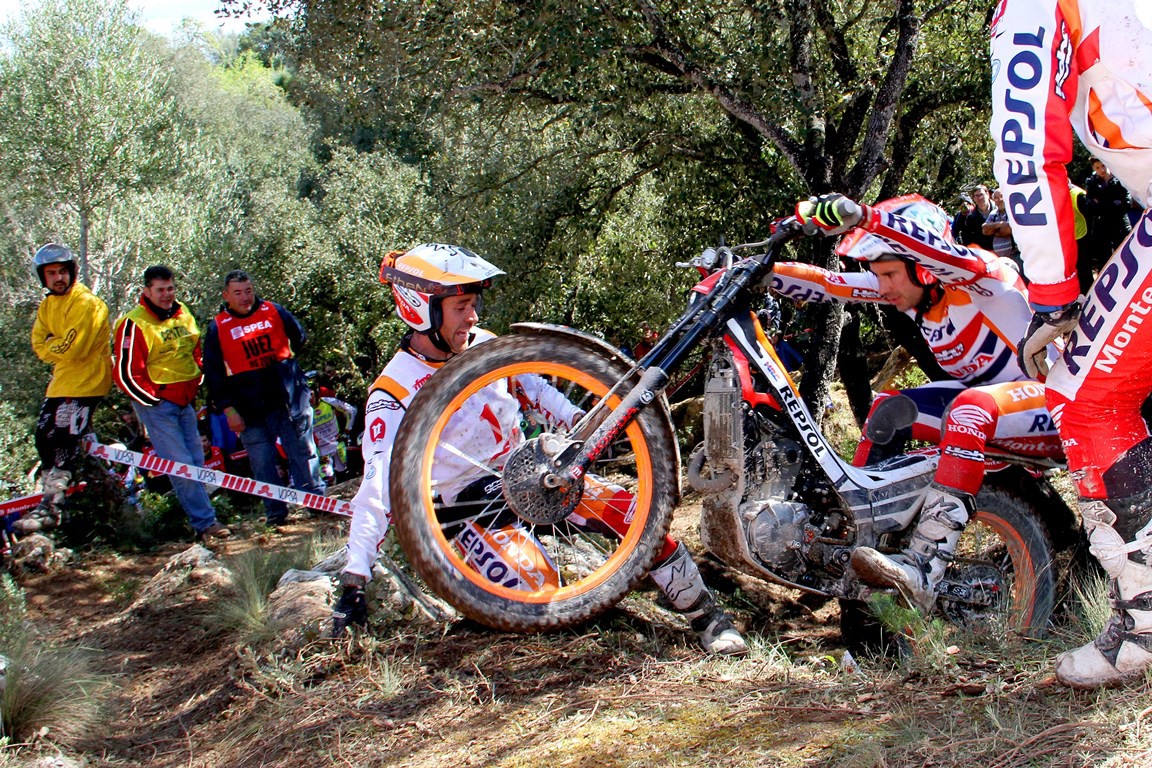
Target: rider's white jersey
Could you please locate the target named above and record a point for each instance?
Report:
(484, 430)
(972, 329)
(1060, 66)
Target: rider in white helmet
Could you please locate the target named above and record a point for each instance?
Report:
(437, 289)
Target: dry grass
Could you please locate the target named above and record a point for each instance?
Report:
(256, 571)
(474, 698)
(49, 692)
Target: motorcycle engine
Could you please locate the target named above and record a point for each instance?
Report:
(776, 524)
(776, 533)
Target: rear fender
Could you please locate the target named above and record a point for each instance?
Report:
(604, 349)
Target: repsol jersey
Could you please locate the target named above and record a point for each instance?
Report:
(253, 342)
(1061, 67)
(972, 329)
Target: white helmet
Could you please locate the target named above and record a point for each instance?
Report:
(424, 275)
(864, 246)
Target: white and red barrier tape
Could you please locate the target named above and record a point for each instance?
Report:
(25, 503)
(154, 463)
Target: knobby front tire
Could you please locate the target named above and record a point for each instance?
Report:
(588, 567)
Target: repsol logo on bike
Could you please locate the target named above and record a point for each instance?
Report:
(807, 429)
(1105, 311)
(1026, 86)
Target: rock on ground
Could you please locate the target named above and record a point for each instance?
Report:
(196, 574)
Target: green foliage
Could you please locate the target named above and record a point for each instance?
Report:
(97, 515)
(86, 110)
(13, 612)
(926, 637)
(17, 454)
(1090, 606)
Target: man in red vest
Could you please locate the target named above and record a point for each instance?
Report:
(253, 377)
(157, 355)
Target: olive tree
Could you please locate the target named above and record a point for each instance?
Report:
(86, 111)
(786, 98)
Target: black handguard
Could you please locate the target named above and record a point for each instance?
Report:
(352, 608)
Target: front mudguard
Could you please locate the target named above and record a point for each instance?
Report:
(604, 349)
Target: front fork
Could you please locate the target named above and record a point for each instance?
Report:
(571, 461)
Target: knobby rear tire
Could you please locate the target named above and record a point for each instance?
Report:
(1024, 542)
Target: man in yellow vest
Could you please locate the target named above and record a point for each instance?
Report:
(71, 334)
(157, 364)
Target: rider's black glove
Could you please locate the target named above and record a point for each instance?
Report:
(352, 608)
(1046, 327)
(832, 214)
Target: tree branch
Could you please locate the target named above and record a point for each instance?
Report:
(728, 100)
(871, 158)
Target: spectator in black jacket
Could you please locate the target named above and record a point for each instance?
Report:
(253, 377)
(1105, 205)
(969, 229)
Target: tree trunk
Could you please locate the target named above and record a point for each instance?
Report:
(853, 366)
(820, 357)
(85, 277)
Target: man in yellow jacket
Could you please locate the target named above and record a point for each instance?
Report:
(71, 333)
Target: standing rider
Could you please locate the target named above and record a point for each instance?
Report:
(331, 420)
(437, 289)
(1057, 67)
(970, 306)
(71, 334)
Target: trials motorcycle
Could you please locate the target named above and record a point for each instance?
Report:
(573, 512)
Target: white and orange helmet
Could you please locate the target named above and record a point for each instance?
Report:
(423, 276)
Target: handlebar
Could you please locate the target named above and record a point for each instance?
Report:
(724, 256)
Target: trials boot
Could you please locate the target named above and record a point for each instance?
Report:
(679, 579)
(1118, 532)
(917, 571)
(46, 515)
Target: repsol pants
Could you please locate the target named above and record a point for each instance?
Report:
(1096, 390)
(964, 421)
(62, 422)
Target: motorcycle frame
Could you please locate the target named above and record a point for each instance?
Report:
(878, 500)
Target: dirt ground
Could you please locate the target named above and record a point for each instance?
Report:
(629, 690)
